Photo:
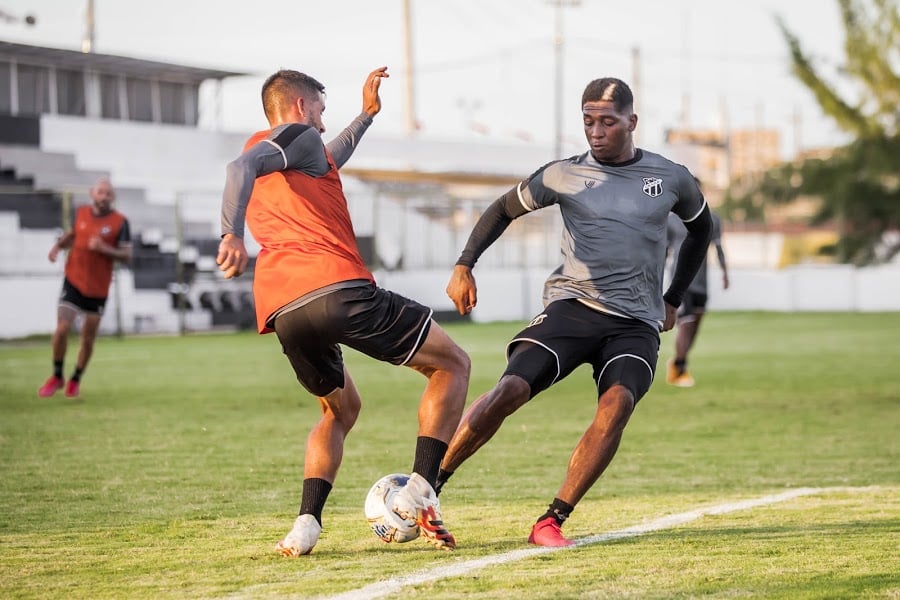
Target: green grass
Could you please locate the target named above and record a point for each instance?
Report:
(180, 467)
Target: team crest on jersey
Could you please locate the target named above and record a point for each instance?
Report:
(538, 320)
(652, 186)
(105, 230)
(589, 183)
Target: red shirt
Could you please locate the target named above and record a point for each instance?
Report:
(307, 241)
(90, 271)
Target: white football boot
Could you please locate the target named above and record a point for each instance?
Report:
(418, 493)
(301, 539)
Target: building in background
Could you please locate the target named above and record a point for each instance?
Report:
(720, 158)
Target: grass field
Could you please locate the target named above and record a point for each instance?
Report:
(179, 468)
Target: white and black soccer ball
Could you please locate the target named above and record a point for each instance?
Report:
(392, 518)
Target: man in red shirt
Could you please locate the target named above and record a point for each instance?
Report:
(99, 236)
(312, 288)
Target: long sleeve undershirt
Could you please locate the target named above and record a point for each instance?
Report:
(293, 146)
(504, 210)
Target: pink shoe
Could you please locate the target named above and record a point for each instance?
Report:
(546, 532)
(51, 386)
(72, 389)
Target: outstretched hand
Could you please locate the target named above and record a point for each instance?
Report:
(232, 258)
(371, 99)
(462, 289)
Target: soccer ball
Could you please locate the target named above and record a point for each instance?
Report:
(391, 518)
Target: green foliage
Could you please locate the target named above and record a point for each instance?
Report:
(859, 185)
(180, 466)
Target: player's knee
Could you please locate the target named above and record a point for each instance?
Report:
(452, 357)
(342, 406)
(510, 394)
(460, 362)
(619, 398)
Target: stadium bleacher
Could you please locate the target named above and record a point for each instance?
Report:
(35, 188)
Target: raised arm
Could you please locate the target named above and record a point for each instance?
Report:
(342, 147)
(345, 143)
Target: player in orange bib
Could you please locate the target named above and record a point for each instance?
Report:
(312, 288)
(100, 235)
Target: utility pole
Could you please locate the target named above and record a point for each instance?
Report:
(636, 86)
(686, 70)
(87, 43)
(411, 121)
(558, 48)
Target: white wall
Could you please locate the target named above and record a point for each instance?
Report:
(503, 295)
(29, 305)
(33, 300)
(515, 294)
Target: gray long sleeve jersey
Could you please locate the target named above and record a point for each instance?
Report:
(288, 146)
(614, 235)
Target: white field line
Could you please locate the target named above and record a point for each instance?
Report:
(381, 589)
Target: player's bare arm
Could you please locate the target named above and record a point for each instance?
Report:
(64, 242)
(720, 255)
(120, 253)
(462, 289)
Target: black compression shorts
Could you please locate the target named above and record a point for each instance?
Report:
(568, 334)
(374, 321)
(694, 303)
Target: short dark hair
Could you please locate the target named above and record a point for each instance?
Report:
(609, 89)
(283, 87)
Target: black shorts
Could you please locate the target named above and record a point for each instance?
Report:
(374, 321)
(569, 334)
(71, 296)
(694, 303)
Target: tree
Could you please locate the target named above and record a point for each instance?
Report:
(859, 184)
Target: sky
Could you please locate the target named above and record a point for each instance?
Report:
(480, 69)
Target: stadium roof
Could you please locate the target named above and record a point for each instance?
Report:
(108, 63)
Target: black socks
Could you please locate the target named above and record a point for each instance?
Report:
(315, 493)
(442, 478)
(559, 510)
(429, 454)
